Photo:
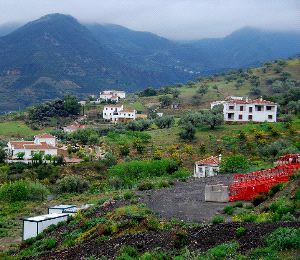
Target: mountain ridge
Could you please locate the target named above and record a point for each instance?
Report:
(56, 54)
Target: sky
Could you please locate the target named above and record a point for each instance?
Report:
(173, 19)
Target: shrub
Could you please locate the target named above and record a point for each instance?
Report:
(282, 206)
(72, 184)
(223, 251)
(240, 231)
(238, 205)
(153, 224)
(258, 199)
(228, 210)
(128, 195)
(249, 217)
(146, 186)
(284, 238)
(164, 184)
(274, 189)
(23, 190)
(233, 164)
(217, 219)
(128, 251)
(50, 243)
(180, 239)
(263, 253)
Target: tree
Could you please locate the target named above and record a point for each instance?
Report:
(233, 164)
(175, 93)
(188, 132)
(164, 121)
(20, 155)
(37, 158)
(148, 92)
(165, 101)
(3, 155)
(71, 105)
(213, 117)
(293, 107)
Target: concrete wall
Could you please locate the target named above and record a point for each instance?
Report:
(216, 193)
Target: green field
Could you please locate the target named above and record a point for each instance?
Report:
(17, 129)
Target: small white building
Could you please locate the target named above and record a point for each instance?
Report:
(207, 167)
(112, 95)
(238, 109)
(35, 225)
(110, 110)
(44, 143)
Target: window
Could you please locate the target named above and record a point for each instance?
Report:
(250, 117)
(250, 109)
(241, 108)
(230, 115)
(231, 107)
(240, 117)
(270, 117)
(268, 108)
(105, 114)
(106, 108)
(259, 108)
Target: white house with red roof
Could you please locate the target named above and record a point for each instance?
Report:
(112, 95)
(207, 167)
(44, 143)
(238, 109)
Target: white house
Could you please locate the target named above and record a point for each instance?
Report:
(238, 109)
(207, 167)
(44, 143)
(110, 110)
(117, 113)
(112, 95)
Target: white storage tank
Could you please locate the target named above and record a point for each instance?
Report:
(35, 225)
(59, 208)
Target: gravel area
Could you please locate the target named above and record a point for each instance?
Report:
(185, 200)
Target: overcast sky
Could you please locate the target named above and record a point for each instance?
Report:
(174, 19)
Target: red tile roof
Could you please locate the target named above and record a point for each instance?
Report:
(20, 144)
(127, 111)
(141, 116)
(209, 160)
(42, 145)
(108, 106)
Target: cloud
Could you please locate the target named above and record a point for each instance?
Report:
(175, 19)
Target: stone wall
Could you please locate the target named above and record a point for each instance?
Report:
(216, 193)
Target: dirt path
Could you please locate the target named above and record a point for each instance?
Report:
(185, 200)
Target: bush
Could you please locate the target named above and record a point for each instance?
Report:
(146, 186)
(164, 184)
(240, 231)
(181, 239)
(128, 195)
(274, 189)
(238, 205)
(23, 190)
(233, 164)
(72, 184)
(281, 207)
(263, 253)
(249, 217)
(284, 238)
(128, 252)
(228, 210)
(223, 251)
(217, 219)
(258, 199)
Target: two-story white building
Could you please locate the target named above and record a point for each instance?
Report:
(117, 113)
(112, 95)
(238, 109)
(44, 143)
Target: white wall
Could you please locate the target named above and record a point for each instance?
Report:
(29, 229)
(50, 141)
